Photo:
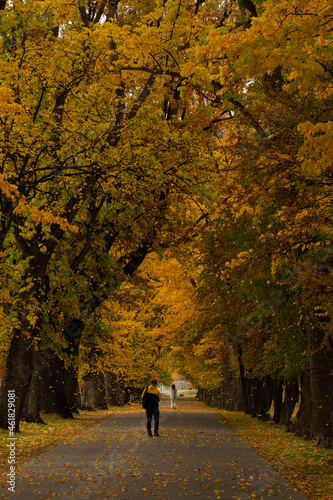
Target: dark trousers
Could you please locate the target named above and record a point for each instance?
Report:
(150, 414)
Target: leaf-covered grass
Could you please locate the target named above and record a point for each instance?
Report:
(300, 461)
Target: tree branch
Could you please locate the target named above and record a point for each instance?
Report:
(83, 13)
(249, 118)
(142, 97)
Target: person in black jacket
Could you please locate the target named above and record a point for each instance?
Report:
(152, 408)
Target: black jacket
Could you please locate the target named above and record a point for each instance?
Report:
(154, 397)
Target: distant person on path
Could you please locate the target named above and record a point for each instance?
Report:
(173, 396)
(152, 409)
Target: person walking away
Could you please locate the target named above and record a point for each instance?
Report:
(173, 396)
(152, 407)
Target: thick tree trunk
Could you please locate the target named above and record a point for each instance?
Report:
(244, 381)
(17, 376)
(52, 387)
(254, 397)
(249, 388)
(277, 398)
(231, 395)
(114, 390)
(31, 412)
(72, 390)
(266, 398)
(305, 424)
(291, 392)
(94, 391)
(321, 380)
(226, 394)
(261, 398)
(206, 396)
(22, 358)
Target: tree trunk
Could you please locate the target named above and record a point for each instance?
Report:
(94, 391)
(262, 398)
(305, 425)
(249, 388)
(231, 395)
(17, 376)
(244, 382)
(116, 392)
(72, 390)
(291, 392)
(31, 410)
(52, 386)
(277, 398)
(254, 397)
(22, 358)
(266, 398)
(321, 380)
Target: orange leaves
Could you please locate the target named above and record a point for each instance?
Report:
(316, 152)
(294, 35)
(38, 215)
(9, 109)
(146, 316)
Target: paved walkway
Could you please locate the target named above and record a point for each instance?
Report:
(196, 456)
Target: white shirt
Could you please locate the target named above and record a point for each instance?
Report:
(173, 393)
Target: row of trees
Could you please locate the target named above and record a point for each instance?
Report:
(94, 169)
(260, 329)
(202, 127)
(265, 266)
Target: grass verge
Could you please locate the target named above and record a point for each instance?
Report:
(309, 468)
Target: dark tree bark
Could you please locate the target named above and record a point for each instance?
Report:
(199, 392)
(243, 378)
(22, 358)
(215, 397)
(52, 387)
(72, 389)
(206, 396)
(305, 424)
(31, 411)
(262, 398)
(248, 388)
(17, 376)
(230, 395)
(291, 393)
(94, 391)
(111, 388)
(117, 394)
(226, 392)
(254, 400)
(321, 380)
(277, 398)
(267, 398)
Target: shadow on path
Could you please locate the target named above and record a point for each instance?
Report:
(196, 456)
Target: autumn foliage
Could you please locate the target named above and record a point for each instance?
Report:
(172, 161)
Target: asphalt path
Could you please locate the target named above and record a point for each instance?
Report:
(195, 456)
